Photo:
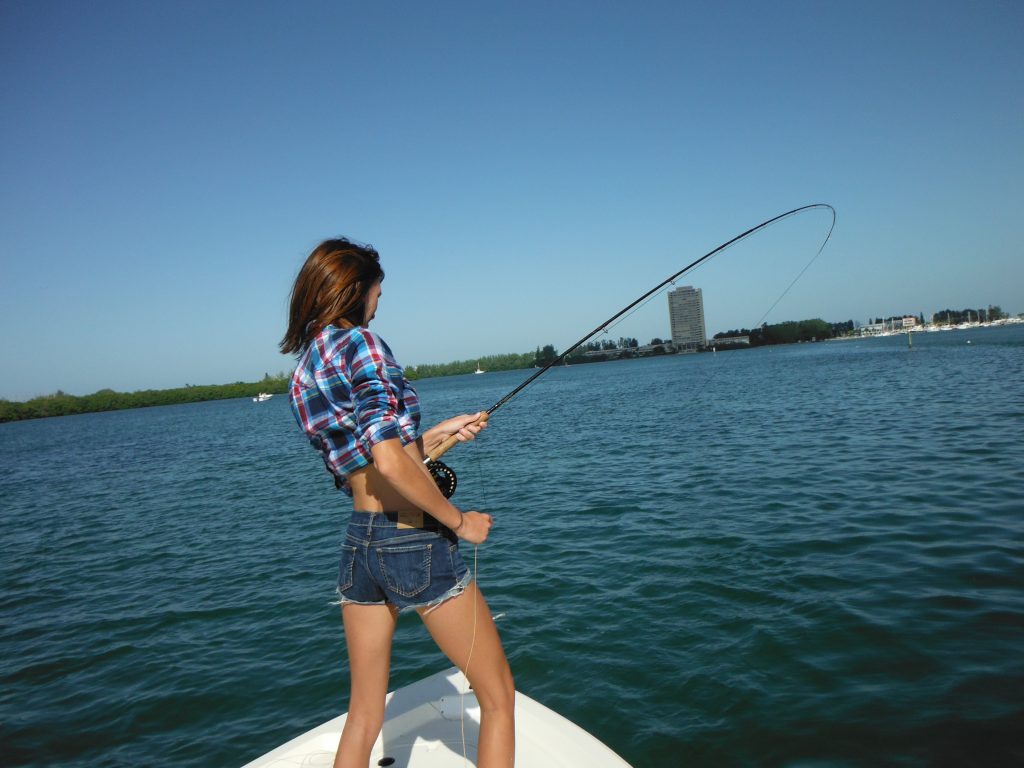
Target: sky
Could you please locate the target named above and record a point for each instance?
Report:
(525, 170)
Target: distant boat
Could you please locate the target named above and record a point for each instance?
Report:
(262, 397)
(478, 369)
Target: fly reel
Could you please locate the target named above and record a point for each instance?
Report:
(444, 476)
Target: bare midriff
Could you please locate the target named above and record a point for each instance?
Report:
(372, 493)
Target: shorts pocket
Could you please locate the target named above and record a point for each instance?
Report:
(406, 569)
(459, 568)
(346, 567)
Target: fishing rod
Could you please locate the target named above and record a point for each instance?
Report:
(445, 476)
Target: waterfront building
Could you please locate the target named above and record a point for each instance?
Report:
(686, 318)
(731, 341)
(890, 325)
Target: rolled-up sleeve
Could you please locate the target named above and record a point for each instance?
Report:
(373, 397)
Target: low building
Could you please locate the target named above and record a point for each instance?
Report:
(729, 341)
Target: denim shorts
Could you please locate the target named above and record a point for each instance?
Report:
(385, 563)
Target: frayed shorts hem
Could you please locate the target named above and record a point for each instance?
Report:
(427, 607)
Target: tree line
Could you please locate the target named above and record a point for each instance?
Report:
(791, 332)
(517, 361)
(63, 404)
(509, 362)
(957, 316)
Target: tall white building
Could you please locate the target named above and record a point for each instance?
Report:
(686, 318)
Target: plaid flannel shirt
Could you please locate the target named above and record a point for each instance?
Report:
(347, 394)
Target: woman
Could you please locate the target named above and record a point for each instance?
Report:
(401, 550)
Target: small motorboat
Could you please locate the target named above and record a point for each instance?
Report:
(423, 728)
(262, 397)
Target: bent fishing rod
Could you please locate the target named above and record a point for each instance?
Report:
(444, 475)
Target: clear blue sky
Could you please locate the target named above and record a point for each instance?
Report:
(525, 169)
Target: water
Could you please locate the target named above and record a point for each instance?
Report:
(810, 555)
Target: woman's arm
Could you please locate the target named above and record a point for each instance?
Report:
(410, 478)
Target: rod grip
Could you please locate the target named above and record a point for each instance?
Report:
(442, 449)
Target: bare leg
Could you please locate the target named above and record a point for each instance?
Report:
(451, 625)
(368, 633)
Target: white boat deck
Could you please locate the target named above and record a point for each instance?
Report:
(423, 729)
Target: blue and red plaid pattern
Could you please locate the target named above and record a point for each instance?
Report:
(348, 393)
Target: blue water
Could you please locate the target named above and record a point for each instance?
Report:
(804, 555)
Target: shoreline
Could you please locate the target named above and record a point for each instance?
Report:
(61, 404)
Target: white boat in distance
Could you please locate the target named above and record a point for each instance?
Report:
(423, 729)
(262, 397)
(478, 370)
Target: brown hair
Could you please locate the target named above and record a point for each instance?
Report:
(330, 289)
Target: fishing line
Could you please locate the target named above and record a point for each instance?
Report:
(715, 371)
(444, 475)
(469, 658)
(472, 642)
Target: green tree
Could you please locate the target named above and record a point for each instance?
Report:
(545, 355)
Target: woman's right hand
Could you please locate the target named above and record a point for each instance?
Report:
(475, 527)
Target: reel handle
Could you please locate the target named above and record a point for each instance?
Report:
(452, 441)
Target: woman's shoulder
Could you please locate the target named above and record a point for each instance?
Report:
(326, 347)
(333, 339)
(348, 343)
(364, 337)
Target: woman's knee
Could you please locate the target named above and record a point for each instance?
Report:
(365, 724)
(497, 693)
